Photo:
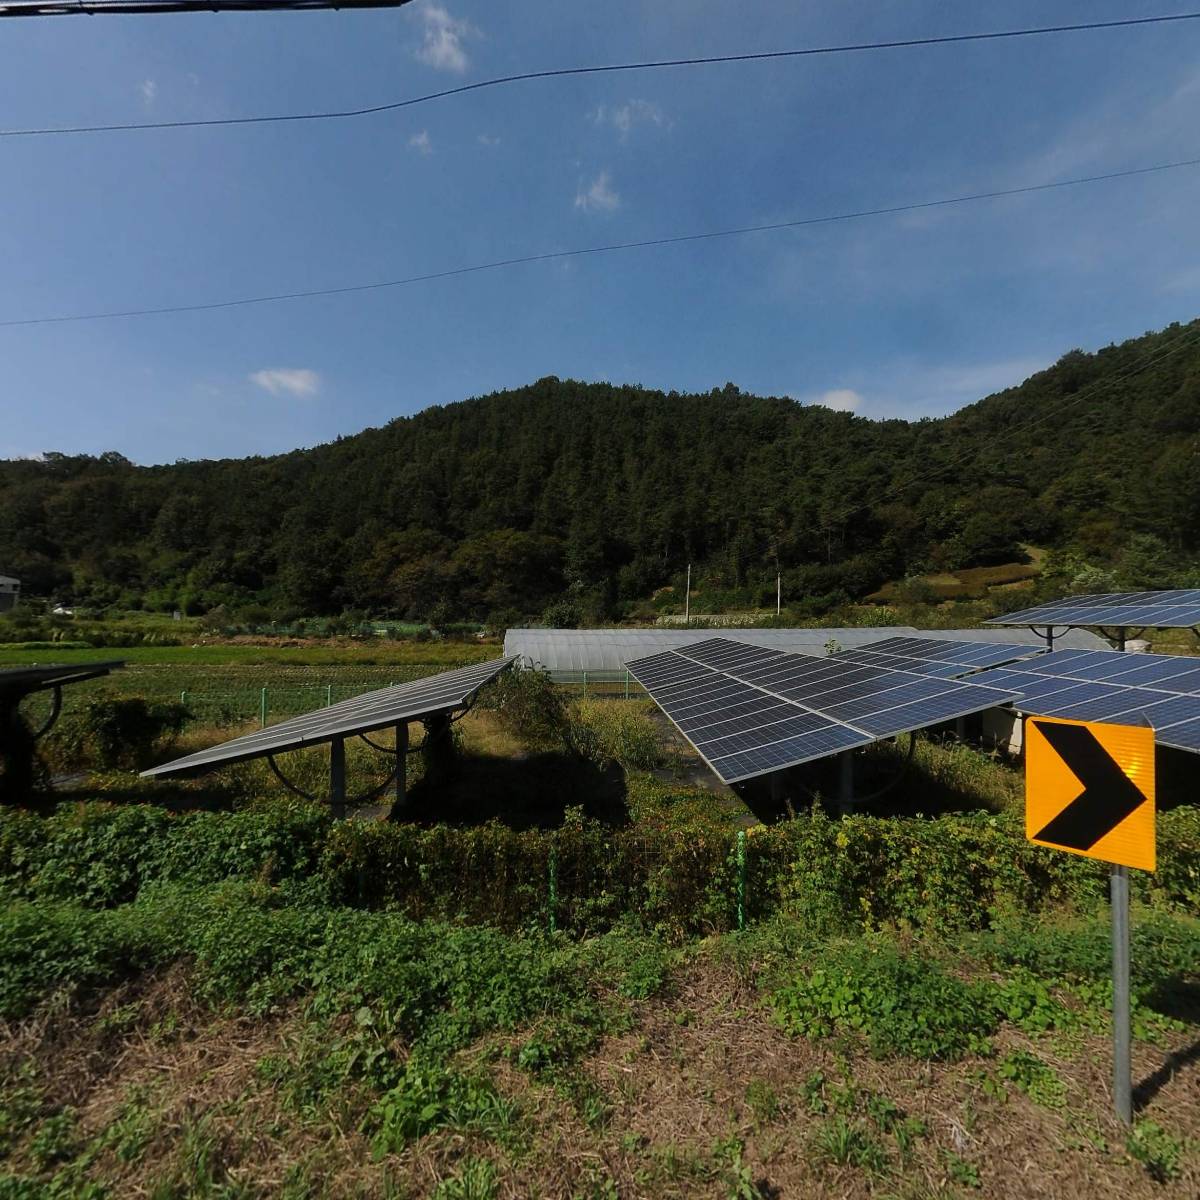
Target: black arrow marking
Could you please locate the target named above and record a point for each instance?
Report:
(1108, 796)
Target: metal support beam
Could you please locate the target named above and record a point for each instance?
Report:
(1122, 1078)
(337, 777)
(400, 797)
(846, 781)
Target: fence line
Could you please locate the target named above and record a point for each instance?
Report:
(295, 699)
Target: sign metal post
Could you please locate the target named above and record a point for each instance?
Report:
(1089, 790)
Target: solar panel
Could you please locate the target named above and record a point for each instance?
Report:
(749, 710)
(379, 709)
(1161, 690)
(34, 678)
(939, 656)
(1178, 608)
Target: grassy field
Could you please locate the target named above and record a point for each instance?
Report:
(374, 653)
(536, 986)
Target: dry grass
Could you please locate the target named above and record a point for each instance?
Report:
(701, 1092)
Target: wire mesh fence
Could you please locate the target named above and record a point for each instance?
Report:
(235, 694)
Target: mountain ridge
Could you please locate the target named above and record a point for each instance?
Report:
(596, 494)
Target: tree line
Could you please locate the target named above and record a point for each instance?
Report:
(581, 500)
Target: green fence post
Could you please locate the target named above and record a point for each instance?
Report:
(741, 879)
(626, 685)
(553, 887)
(262, 708)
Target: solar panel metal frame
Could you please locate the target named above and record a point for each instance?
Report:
(733, 694)
(34, 678)
(379, 709)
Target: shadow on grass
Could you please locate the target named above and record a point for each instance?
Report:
(208, 796)
(942, 776)
(523, 793)
(1154, 1083)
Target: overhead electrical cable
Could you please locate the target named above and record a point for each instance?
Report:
(609, 248)
(613, 68)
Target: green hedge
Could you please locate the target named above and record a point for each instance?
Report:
(949, 873)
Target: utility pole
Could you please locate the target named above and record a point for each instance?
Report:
(778, 593)
(687, 597)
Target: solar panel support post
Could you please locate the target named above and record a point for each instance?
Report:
(1122, 1080)
(846, 781)
(337, 777)
(401, 794)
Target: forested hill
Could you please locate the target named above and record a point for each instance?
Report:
(599, 495)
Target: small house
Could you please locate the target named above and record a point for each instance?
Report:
(10, 590)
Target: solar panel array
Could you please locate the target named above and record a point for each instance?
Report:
(749, 710)
(1175, 609)
(937, 656)
(1160, 690)
(444, 692)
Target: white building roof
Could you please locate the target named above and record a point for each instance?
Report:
(610, 649)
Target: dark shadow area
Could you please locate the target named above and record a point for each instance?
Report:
(1154, 1083)
(1174, 778)
(770, 805)
(209, 795)
(523, 793)
(887, 783)
(1178, 998)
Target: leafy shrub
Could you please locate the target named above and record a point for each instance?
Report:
(1156, 1149)
(431, 1096)
(673, 869)
(605, 731)
(111, 731)
(1038, 1081)
(531, 707)
(902, 1004)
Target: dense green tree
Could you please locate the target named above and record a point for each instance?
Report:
(597, 496)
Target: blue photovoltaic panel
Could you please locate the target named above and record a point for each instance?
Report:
(1161, 690)
(441, 693)
(894, 662)
(1183, 736)
(962, 653)
(1175, 609)
(749, 711)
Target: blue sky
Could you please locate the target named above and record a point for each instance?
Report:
(897, 316)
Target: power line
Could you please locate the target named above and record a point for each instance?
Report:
(66, 8)
(612, 68)
(609, 248)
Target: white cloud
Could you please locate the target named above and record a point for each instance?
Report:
(291, 381)
(598, 196)
(623, 117)
(841, 399)
(442, 48)
(486, 139)
(149, 90)
(421, 142)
